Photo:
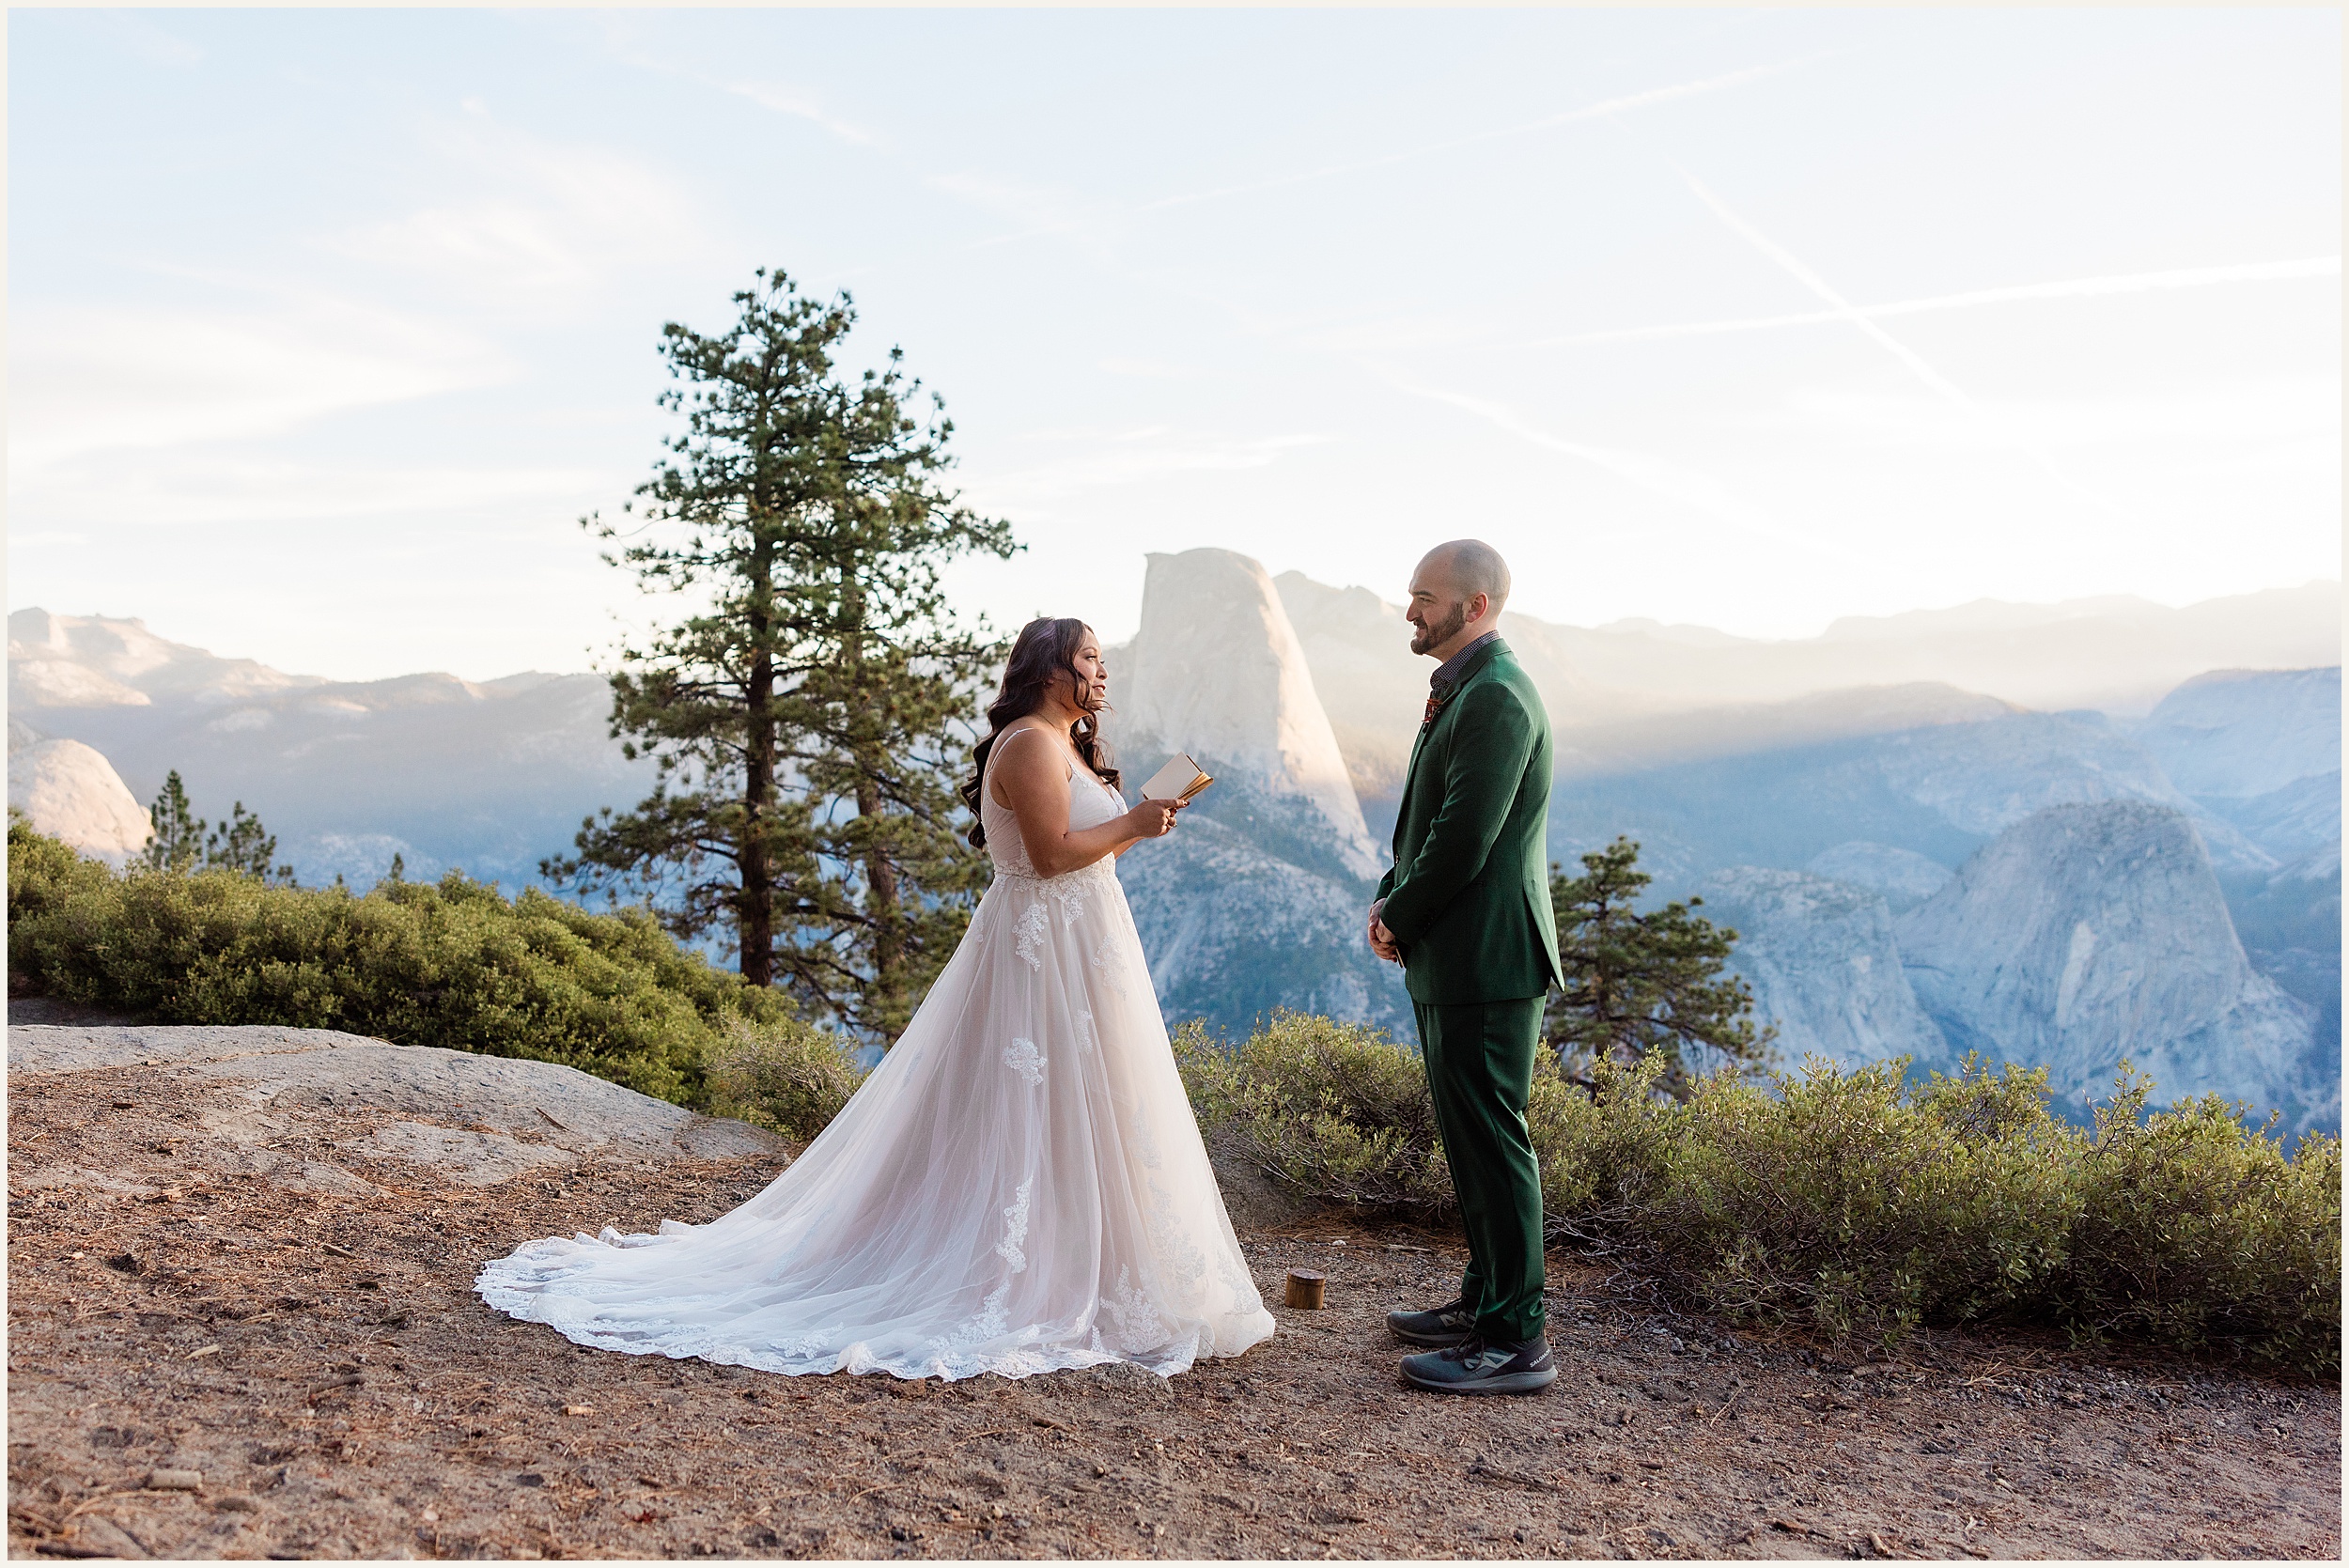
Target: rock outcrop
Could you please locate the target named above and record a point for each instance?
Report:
(1821, 959)
(2090, 933)
(1216, 672)
(1902, 877)
(1256, 901)
(455, 1118)
(72, 792)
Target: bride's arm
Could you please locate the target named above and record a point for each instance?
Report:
(1033, 777)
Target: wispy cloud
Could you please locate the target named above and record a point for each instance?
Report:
(1112, 458)
(1103, 217)
(87, 380)
(200, 489)
(546, 220)
(2069, 289)
(785, 100)
(1601, 110)
(1842, 309)
(1698, 493)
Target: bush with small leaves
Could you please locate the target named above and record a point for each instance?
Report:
(452, 963)
(1326, 1110)
(788, 1077)
(2195, 1226)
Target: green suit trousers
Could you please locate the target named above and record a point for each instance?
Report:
(1480, 1070)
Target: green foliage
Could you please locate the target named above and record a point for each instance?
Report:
(242, 845)
(2198, 1227)
(1854, 1202)
(804, 713)
(790, 1078)
(176, 843)
(181, 842)
(1639, 983)
(1850, 1201)
(1328, 1110)
(452, 963)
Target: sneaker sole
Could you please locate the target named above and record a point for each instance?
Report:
(1510, 1382)
(1431, 1342)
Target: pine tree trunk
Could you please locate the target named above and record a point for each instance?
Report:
(757, 922)
(880, 877)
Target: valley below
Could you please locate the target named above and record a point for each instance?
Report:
(241, 1325)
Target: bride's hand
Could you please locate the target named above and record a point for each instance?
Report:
(1153, 818)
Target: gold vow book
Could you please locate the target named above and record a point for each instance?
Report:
(1179, 780)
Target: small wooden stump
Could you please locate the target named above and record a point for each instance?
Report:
(1305, 1288)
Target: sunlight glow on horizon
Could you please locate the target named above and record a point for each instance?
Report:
(328, 326)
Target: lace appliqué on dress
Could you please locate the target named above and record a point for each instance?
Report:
(1022, 1057)
(1030, 934)
(1107, 963)
(1139, 1325)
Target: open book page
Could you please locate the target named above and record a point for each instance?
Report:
(1179, 780)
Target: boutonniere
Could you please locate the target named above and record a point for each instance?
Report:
(1435, 706)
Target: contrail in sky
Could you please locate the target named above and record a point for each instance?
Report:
(1604, 109)
(2127, 282)
(1697, 491)
(1588, 110)
(1842, 309)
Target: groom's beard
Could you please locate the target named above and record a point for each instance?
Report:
(1434, 634)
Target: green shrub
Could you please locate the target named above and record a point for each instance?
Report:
(452, 963)
(1848, 1200)
(1326, 1110)
(2196, 1226)
(790, 1078)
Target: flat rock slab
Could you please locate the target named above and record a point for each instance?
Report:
(474, 1121)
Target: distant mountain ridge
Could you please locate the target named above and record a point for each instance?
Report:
(489, 776)
(1876, 842)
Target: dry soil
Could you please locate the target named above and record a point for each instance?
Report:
(319, 1365)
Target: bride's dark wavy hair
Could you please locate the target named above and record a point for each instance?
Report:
(1045, 650)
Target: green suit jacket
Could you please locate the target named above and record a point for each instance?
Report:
(1467, 897)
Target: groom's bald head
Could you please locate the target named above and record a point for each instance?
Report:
(1468, 568)
(1457, 595)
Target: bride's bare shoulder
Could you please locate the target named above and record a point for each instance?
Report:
(1017, 766)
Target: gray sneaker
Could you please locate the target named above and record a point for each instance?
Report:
(1439, 1327)
(1478, 1368)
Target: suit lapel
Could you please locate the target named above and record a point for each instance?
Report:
(1427, 732)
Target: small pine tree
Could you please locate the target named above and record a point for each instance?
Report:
(399, 869)
(243, 845)
(1637, 983)
(182, 842)
(177, 843)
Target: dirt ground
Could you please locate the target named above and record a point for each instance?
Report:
(320, 1364)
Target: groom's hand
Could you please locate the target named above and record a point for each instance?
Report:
(1382, 941)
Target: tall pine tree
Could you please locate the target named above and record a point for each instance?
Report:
(1639, 982)
(808, 713)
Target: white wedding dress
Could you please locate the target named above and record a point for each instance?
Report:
(1018, 1187)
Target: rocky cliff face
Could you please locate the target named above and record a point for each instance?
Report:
(1256, 899)
(2089, 933)
(2241, 733)
(72, 792)
(1216, 672)
(1902, 877)
(1824, 969)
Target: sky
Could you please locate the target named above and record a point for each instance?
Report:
(326, 328)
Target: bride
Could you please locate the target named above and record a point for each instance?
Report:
(1020, 1186)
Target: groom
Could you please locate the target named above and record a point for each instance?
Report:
(1466, 911)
